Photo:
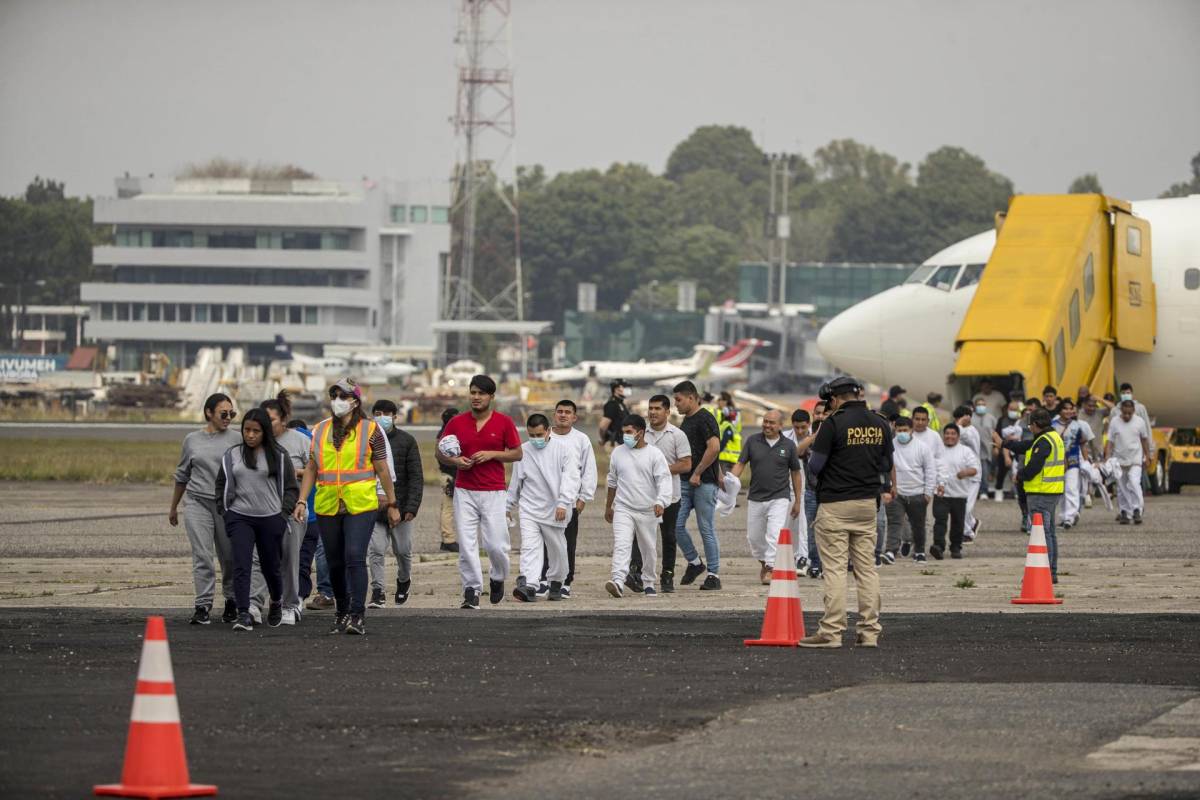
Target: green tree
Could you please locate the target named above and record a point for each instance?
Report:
(725, 148)
(705, 254)
(1185, 188)
(1087, 183)
(713, 197)
(960, 194)
(846, 161)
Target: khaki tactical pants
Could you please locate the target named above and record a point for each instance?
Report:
(846, 530)
(449, 536)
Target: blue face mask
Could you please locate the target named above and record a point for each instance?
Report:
(1126, 396)
(904, 438)
(1012, 414)
(630, 440)
(384, 422)
(540, 444)
(981, 410)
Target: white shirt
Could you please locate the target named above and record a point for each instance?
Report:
(995, 403)
(545, 479)
(970, 437)
(1126, 438)
(954, 460)
(387, 449)
(931, 439)
(586, 458)
(674, 446)
(641, 477)
(916, 468)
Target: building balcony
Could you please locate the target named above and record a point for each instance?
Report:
(220, 333)
(217, 293)
(233, 210)
(113, 256)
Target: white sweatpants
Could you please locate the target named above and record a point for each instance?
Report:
(293, 537)
(972, 496)
(764, 518)
(798, 525)
(1070, 498)
(625, 527)
(533, 536)
(1129, 489)
(477, 513)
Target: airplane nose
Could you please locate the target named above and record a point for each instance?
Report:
(851, 341)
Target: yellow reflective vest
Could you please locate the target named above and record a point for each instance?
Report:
(732, 451)
(346, 475)
(935, 422)
(1052, 478)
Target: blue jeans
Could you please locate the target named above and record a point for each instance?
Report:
(1045, 504)
(312, 549)
(346, 538)
(703, 499)
(810, 511)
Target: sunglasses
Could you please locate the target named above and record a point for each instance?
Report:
(228, 415)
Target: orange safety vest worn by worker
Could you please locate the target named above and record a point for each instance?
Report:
(345, 476)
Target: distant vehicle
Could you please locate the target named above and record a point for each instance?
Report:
(1181, 459)
(637, 372)
(365, 367)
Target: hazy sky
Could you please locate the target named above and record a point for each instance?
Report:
(1043, 91)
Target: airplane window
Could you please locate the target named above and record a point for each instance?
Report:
(1060, 357)
(1089, 281)
(943, 277)
(1073, 314)
(1191, 279)
(920, 273)
(970, 276)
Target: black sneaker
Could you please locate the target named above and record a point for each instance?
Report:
(878, 560)
(525, 593)
(634, 582)
(936, 552)
(1123, 519)
(230, 614)
(555, 591)
(497, 591)
(543, 590)
(339, 623)
(275, 615)
(815, 572)
(566, 591)
(889, 557)
(692, 572)
(919, 558)
(450, 548)
(711, 583)
(956, 554)
(378, 598)
(470, 600)
(1137, 517)
(801, 565)
(245, 622)
(905, 548)
(200, 616)
(666, 582)
(402, 588)
(355, 626)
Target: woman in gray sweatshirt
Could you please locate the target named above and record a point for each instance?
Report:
(256, 489)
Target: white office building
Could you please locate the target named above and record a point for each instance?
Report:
(235, 262)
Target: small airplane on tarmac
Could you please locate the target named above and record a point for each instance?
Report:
(368, 367)
(637, 372)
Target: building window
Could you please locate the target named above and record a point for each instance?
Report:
(418, 214)
(279, 315)
(249, 313)
(137, 312)
(374, 318)
(331, 240)
(1060, 357)
(1089, 282)
(1191, 279)
(106, 311)
(168, 312)
(201, 313)
(1133, 240)
(122, 312)
(310, 315)
(302, 240)
(1074, 317)
(185, 312)
(398, 214)
(295, 315)
(153, 312)
(216, 313)
(231, 313)
(264, 315)
(440, 215)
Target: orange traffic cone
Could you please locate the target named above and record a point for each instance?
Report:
(155, 763)
(783, 625)
(1037, 587)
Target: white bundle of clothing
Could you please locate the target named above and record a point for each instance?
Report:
(727, 494)
(450, 447)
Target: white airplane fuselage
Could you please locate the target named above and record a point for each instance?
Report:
(906, 335)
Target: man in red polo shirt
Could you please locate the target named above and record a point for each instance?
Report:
(487, 440)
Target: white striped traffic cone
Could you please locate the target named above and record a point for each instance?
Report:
(155, 761)
(783, 625)
(1037, 587)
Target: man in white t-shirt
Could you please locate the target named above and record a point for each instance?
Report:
(958, 472)
(1129, 443)
(639, 490)
(674, 445)
(968, 436)
(565, 417)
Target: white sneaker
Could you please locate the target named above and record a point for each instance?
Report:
(289, 617)
(543, 590)
(998, 495)
(614, 588)
(256, 613)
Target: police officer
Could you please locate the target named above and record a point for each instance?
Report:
(852, 450)
(615, 412)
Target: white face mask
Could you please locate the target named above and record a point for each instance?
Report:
(340, 406)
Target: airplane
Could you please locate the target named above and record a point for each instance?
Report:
(732, 365)
(636, 372)
(366, 367)
(317, 365)
(906, 335)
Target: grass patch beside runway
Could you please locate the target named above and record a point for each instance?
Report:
(87, 460)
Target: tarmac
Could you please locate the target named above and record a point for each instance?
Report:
(967, 696)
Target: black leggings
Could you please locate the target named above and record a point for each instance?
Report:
(246, 533)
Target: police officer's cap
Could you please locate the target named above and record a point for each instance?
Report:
(843, 384)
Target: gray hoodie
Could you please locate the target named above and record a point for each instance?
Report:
(200, 460)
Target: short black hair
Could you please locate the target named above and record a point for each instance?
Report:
(960, 411)
(920, 410)
(537, 421)
(662, 400)
(1049, 390)
(635, 421)
(483, 383)
(385, 406)
(1033, 401)
(1041, 418)
(950, 426)
(1125, 386)
(800, 415)
(685, 387)
(1128, 404)
(1065, 401)
(568, 403)
(449, 414)
(901, 422)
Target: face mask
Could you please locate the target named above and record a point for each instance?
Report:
(1126, 395)
(904, 438)
(1014, 414)
(630, 441)
(383, 421)
(626, 395)
(340, 406)
(981, 410)
(540, 444)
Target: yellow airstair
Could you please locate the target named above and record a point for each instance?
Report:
(1068, 282)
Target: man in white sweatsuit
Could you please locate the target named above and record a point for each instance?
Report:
(565, 416)
(1130, 443)
(639, 489)
(968, 436)
(544, 486)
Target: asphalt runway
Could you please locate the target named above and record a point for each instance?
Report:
(458, 704)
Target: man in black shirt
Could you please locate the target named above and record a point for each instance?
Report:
(614, 413)
(698, 487)
(852, 450)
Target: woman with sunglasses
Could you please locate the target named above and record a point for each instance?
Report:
(196, 476)
(349, 453)
(256, 493)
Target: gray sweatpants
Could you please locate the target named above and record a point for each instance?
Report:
(211, 545)
(401, 541)
(293, 537)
